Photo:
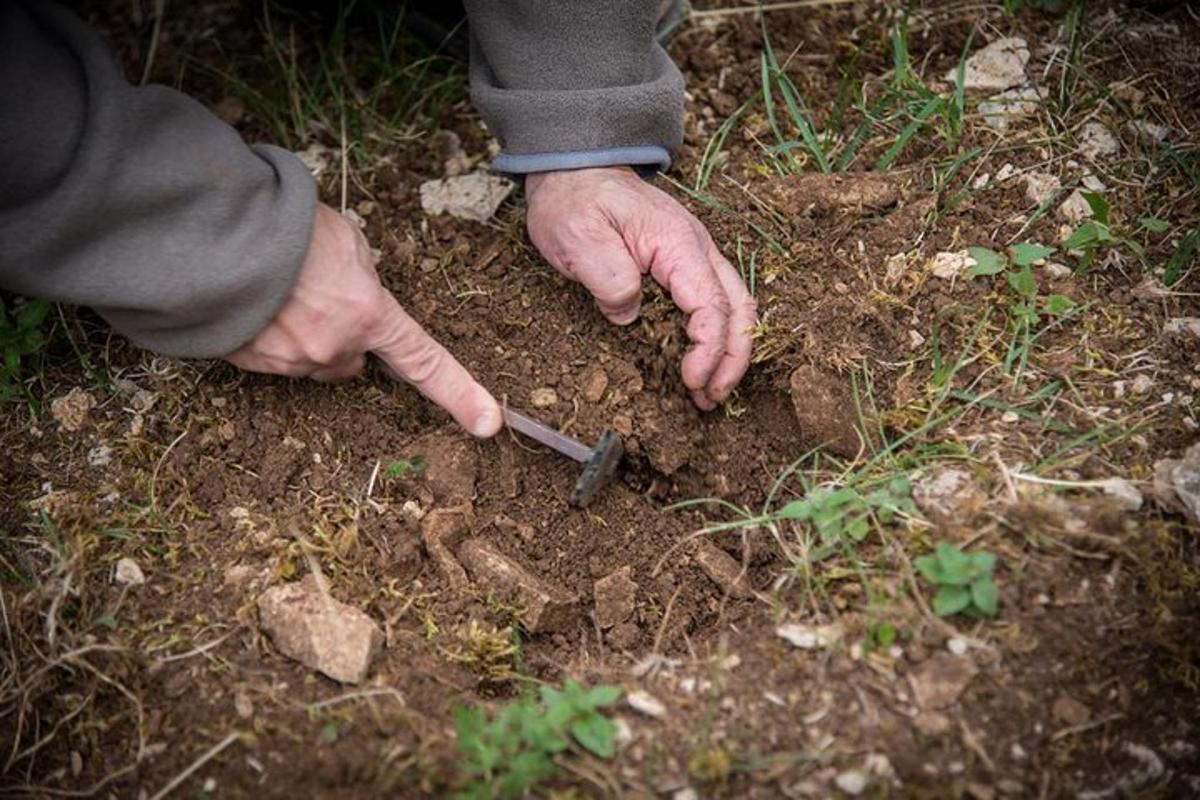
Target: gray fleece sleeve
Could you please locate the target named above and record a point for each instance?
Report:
(137, 201)
(565, 84)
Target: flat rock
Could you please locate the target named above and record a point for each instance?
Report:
(450, 465)
(999, 110)
(938, 681)
(1096, 141)
(721, 568)
(323, 634)
(615, 596)
(1000, 65)
(442, 530)
(475, 196)
(545, 606)
(949, 265)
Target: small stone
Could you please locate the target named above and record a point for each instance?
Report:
(852, 782)
(932, 723)
(999, 65)
(981, 181)
(721, 568)
(1075, 208)
(594, 385)
(100, 456)
(76, 763)
(1005, 172)
(1092, 183)
(547, 607)
(915, 339)
(308, 625)
(1142, 383)
(645, 703)
(938, 681)
(1123, 492)
(623, 424)
(809, 637)
(128, 573)
(998, 110)
(317, 157)
(1057, 271)
(1177, 482)
(1039, 186)
(441, 531)
(543, 397)
(615, 596)
(475, 196)
(894, 268)
(948, 495)
(243, 705)
(1095, 141)
(1183, 325)
(687, 793)
(1018, 752)
(957, 645)
(950, 265)
(71, 410)
(1069, 711)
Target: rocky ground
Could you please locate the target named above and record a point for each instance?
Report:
(220, 584)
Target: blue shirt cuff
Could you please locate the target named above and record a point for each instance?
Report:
(639, 156)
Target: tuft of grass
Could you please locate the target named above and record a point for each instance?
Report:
(22, 337)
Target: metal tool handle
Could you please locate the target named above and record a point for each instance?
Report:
(571, 448)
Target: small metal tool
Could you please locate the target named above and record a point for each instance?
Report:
(599, 462)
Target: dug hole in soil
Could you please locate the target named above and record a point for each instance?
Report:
(231, 484)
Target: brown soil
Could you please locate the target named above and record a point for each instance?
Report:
(230, 483)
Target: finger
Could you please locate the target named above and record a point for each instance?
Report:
(612, 277)
(413, 354)
(743, 316)
(682, 267)
(250, 360)
(342, 371)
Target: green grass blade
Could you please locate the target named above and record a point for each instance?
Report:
(931, 107)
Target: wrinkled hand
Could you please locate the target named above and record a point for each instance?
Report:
(607, 227)
(339, 311)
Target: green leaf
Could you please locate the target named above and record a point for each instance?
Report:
(32, 314)
(1087, 235)
(1023, 282)
(329, 732)
(603, 696)
(885, 635)
(983, 562)
(987, 262)
(108, 621)
(1058, 304)
(951, 600)
(954, 563)
(1027, 253)
(596, 734)
(1154, 224)
(985, 597)
(797, 509)
(858, 529)
(1099, 206)
(930, 569)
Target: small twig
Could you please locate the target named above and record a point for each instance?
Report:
(197, 764)
(158, 466)
(662, 626)
(1085, 726)
(160, 7)
(385, 691)
(204, 648)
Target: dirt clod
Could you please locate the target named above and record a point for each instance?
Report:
(825, 410)
(71, 410)
(939, 681)
(306, 624)
(721, 568)
(450, 466)
(615, 596)
(544, 606)
(1069, 711)
(441, 531)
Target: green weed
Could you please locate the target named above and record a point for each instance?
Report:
(510, 754)
(404, 467)
(22, 335)
(963, 580)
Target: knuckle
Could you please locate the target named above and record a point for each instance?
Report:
(424, 363)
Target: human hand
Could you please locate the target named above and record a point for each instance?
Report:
(607, 227)
(339, 311)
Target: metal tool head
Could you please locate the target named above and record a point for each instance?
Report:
(599, 469)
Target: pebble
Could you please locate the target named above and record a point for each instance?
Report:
(547, 606)
(809, 637)
(957, 645)
(71, 410)
(543, 397)
(100, 456)
(950, 265)
(128, 573)
(998, 110)
(475, 196)
(1096, 141)
(1039, 186)
(999, 65)
(852, 782)
(1075, 208)
(1179, 325)
(938, 681)
(645, 703)
(1142, 384)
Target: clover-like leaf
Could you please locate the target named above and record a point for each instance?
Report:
(597, 734)
(987, 262)
(985, 597)
(951, 600)
(1027, 253)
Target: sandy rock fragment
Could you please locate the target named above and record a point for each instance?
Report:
(450, 465)
(1075, 208)
(1056, 271)
(317, 157)
(950, 265)
(128, 573)
(1177, 482)
(1000, 65)
(645, 703)
(721, 568)
(938, 681)
(543, 397)
(442, 530)
(1178, 325)
(71, 410)
(809, 637)
(308, 625)
(895, 268)
(1039, 186)
(1142, 384)
(615, 596)
(594, 384)
(475, 196)
(999, 110)
(1096, 141)
(948, 495)
(546, 607)
(821, 194)
(1069, 711)
(852, 782)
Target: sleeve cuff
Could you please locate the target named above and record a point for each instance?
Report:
(652, 156)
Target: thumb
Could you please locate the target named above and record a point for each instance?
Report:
(413, 355)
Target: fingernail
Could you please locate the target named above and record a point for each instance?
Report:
(486, 424)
